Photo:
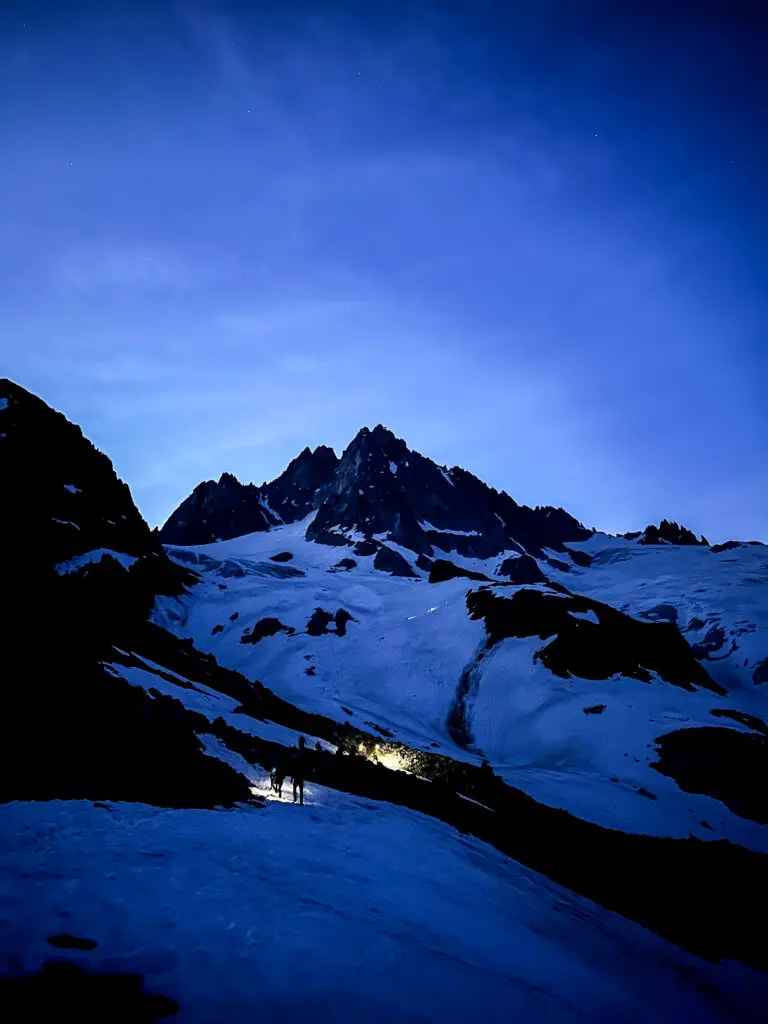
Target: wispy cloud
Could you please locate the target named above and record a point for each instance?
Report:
(97, 267)
(272, 322)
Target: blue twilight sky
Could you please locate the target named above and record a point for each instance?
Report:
(530, 237)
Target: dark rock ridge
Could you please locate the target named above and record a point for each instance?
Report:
(78, 731)
(443, 569)
(62, 499)
(666, 533)
(613, 645)
(729, 545)
(382, 487)
(220, 510)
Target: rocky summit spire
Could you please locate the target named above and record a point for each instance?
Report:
(384, 490)
(292, 495)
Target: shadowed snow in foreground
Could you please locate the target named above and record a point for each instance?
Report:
(343, 909)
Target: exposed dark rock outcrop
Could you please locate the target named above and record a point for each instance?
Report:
(265, 627)
(557, 563)
(64, 991)
(341, 618)
(760, 673)
(729, 545)
(65, 941)
(443, 570)
(281, 556)
(595, 709)
(614, 645)
(320, 621)
(580, 558)
(728, 765)
(366, 548)
(333, 539)
(521, 570)
(394, 563)
(344, 565)
(661, 613)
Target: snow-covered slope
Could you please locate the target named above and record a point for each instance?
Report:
(343, 910)
(411, 649)
(718, 599)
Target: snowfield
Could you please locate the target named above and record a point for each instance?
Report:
(584, 745)
(342, 910)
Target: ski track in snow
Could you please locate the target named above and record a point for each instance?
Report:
(342, 910)
(401, 662)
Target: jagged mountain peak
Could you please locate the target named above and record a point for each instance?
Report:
(379, 442)
(383, 489)
(667, 532)
(229, 479)
(378, 434)
(220, 510)
(380, 489)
